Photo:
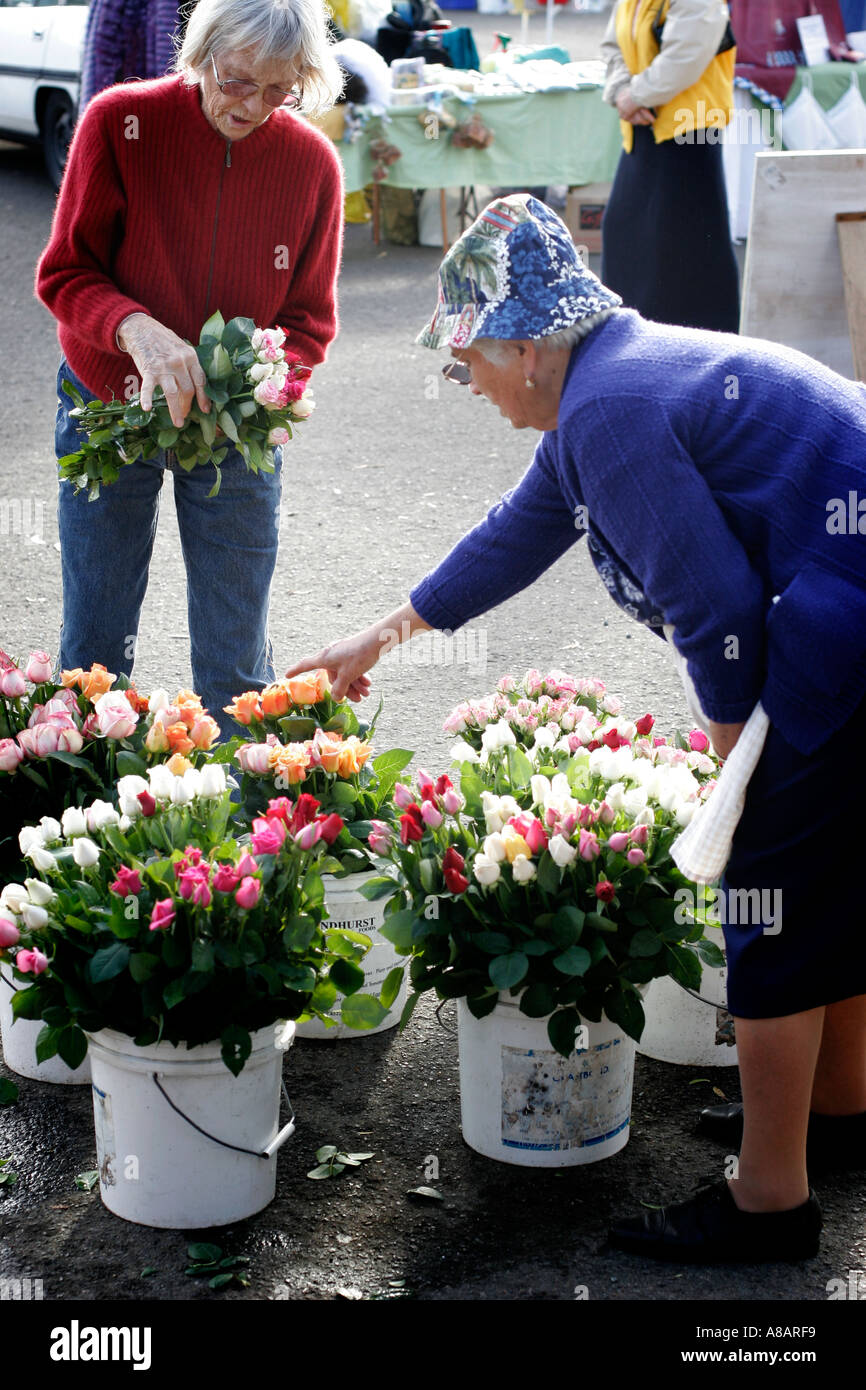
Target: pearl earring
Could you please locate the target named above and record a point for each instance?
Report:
(530, 384)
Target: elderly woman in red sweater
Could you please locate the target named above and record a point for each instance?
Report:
(203, 190)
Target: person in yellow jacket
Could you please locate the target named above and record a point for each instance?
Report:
(666, 237)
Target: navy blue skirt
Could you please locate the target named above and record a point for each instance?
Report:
(666, 244)
(795, 931)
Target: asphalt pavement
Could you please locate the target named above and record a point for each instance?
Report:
(392, 469)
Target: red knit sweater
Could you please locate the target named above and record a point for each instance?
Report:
(159, 213)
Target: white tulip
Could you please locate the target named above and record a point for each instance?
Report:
(485, 870)
(73, 822)
(561, 852)
(28, 836)
(159, 699)
(51, 829)
(213, 779)
(35, 917)
(12, 896)
(494, 847)
(38, 892)
(523, 869)
(42, 859)
(85, 852)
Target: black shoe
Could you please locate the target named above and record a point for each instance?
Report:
(833, 1143)
(710, 1228)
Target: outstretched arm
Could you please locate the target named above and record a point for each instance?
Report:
(347, 661)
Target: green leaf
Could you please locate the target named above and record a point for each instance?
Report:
(202, 956)
(520, 769)
(201, 1253)
(343, 794)
(391, 987)
(398, 927)
(376, 888)
(409, 1009)
(86, 1182)
(296, 727)
(72, 1046)
(549, 874)
(507, 971)
(567, 925)
(8, 1091)
(129, 764)
(236, 1047)
(324, 1170)
(219, 1281)
(645, 943)
(561, 1028)
(108, 963)
(175, 992)
(625, 1008)
(536, 947)
(142, 966)
(166, 439)
(214, 327)
(426, 1194)
(538, 1000)
(228, 426)
(325, 1152)
(598, 922)
(46, 1043)
(575, 961)
(493, 942)
(710, 954)
(683, 966)
(363, 1012)
(347, 976)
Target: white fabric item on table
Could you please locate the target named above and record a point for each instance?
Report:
(804, 124)
(847, 119)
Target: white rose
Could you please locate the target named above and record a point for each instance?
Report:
(213, 779)
(51, 829)
(464, 753)
(192, 782)
(545, 735)
(494, 848)
(559, 788)
(541, 789)
(485, 870)
(684, 811)
(161, 782)
(180, 793)
(498, 735)
(100, 814)
(523, 869)
(646, 817)
(159, 699)
(634, 800)
(260, 371)
(85, 852)
(42, 859)
(38, 892)
(125, 822)
(28, 836)
(12, 896)
(35, 917)
(73, 822)
(561, 852)
(303, 409)
(615, 796)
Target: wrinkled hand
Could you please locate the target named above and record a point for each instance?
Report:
(629, 109)
(163, 359)
(346, 663)
(724, 737)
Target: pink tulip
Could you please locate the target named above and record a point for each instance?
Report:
(618, 842)
(247, 866)
(115, 716)
(588, 847)
(698, 741)
(635, 857)
(31, 962)
(9, 933)
(254, 758)
(639, 834)
(162, 915)
(10, 754)
(12, 684)
(38, 668)
(403, 796)
(268, 835)
(249, 892)
(431, 815)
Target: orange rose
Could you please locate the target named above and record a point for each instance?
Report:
(327, 750)
(72, 677)
(190, 706)
(96, 681)
(276, 700)
(139, 702)
(156, 740)
(178, 764)
(290, 761)
(204, 732)
(245, 708)
(310, 687)
(353, 757)
(179, 740)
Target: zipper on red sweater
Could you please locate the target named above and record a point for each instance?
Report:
(227, 164)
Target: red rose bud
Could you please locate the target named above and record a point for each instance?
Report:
(411, 827)
(425, 785)
(330, 828)
(605, 890)
(147, 803)
(592, 745)
(644, 725)
(442, 784)
(456, 882)
(452, 860)
(305, 811)
(613, 739)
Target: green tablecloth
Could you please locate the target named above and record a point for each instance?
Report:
(539, 138)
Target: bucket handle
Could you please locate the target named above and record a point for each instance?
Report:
(11, 983)
(285, 1133)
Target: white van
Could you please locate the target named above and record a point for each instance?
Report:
(40, 75)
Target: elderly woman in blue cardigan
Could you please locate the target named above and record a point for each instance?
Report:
(717, 481)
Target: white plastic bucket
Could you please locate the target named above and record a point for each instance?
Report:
(521, 1102)
(688, 1031)
(19, 1046)
(154, 1167)
(347, 907)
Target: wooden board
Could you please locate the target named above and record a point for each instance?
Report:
(851, 227)
(793, 289)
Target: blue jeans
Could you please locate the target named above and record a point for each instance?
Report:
(229, 545)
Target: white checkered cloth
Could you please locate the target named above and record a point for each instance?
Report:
(704, 848)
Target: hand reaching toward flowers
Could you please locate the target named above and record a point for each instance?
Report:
(165, 360)
(347, 661)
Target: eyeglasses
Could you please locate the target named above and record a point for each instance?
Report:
(458, 372)
(236, 90)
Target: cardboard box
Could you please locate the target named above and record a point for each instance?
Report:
(584, 211)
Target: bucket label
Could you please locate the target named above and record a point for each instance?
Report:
(550, 1102)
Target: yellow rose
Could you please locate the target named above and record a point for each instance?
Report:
(514, 844)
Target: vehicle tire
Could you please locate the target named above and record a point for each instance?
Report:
(57, 126)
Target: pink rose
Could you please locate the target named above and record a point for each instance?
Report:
(9, 933)
(380, 838)
(10, 754)
(194, 886)
(533, 682)
(403, 796)
(506, 684)
(226, 878)
(431, 815)
(162, 915)
(70, 740)
(309, 834)
(453, 801)
(268, 835)
(588, 847)
(278, 436)
(168, 715)
(698, 741)
(67, 699)
(38, 668)
(249, 892)
(568, 824)
(639, 834)
(115, 716)
(39, 742)
(292, 391)
(606, 814)
(31, 962)
(12, 684)
(254, 758)
(268, 393)
(90, 728)
(127, 883)
(618, 842)
(635, 857)
(535, 836)
(247, 866)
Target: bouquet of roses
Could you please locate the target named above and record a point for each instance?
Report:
(258, 389)
(62, 742)
(548, 875)
(152, 920)
(305, 743)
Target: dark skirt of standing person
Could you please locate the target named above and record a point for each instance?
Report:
(666, 239)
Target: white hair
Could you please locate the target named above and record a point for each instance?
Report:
(292, 30)
(497, 350)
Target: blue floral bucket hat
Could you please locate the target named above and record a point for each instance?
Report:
(515, 273)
